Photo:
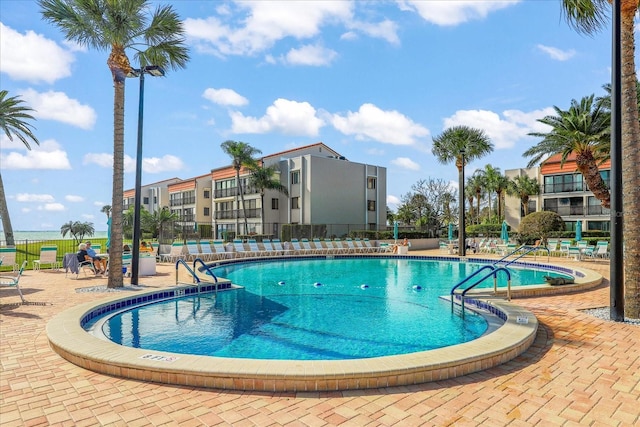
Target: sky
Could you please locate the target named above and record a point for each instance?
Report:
(374, 80)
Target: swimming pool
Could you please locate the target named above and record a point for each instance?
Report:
(314, 309)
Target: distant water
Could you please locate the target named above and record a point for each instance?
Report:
(46, 235)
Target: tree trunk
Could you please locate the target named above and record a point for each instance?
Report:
(587, 165)
(244, 211)
(115, 248)
(630, 164)
(4, 213)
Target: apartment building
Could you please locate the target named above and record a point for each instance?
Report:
(563, 191)
(323, 187)
(152, 196)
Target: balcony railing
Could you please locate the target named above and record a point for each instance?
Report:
(231, 192)
(251, 213)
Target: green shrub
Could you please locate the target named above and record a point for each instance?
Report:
(539, 226)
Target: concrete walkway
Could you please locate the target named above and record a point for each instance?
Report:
(580, 371)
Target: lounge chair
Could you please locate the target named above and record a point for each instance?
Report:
(277, 245)
(367, 243)
(360, 247)
(319, 247)
(177, 252)
(254, 250)
(350, 247)
(205, 251)
(193, 250)
(239, 249)
(48, 256)
(220, 251)
(306, 246)
(8, 256)
(269, 250)
(13, 280)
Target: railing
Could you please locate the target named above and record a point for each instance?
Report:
(494, 272)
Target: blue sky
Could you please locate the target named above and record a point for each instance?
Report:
(374, 80)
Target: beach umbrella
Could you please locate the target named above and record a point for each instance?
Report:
(450, 231)
(578, 230)
(108, 233)
(395, 230)
(504, 235)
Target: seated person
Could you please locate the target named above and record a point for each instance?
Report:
(83, 256)
(126, 249)
(144, 247)
(473, 245)
(98, 261)
(405, 242)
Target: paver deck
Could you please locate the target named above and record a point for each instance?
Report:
(579, 371)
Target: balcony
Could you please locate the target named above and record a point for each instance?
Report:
(220, 193)
(251, 213)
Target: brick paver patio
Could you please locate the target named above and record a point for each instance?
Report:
(580, 371)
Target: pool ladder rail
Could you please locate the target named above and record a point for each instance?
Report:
(457, 292)
(196, 280)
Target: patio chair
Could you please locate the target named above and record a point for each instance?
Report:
(601, 250)
(360, 247)
(220, 252)
(319, 247)
(269, 250)
(239, 249)
(277, 245)
(193, 251)
(71, 264)
(177, 252)
(254, 250)
(8, 256)
(48, 256)
(13, 280)
(205, 251)
(306, 246)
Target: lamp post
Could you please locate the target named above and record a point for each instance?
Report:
(462, 247)
(155, 71)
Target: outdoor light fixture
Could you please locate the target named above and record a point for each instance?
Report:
(462, 247)
(155, 71)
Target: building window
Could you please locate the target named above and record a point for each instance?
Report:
(295, 203)
(207, 194)
(207, 211)
(295, 177)
(599, 225)
(155, 200)
(275, 204)
(594, 207)
(145, 200)
(371, 205)
(371, 183)
(531, 205)
(563, 183)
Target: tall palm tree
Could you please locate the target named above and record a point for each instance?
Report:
(589, 17)
(106, 209)
(501, 186)
(476, 183)
(263, 178)
(118, 27)
(14, 122)
(584, 129)
(242, 155)
(523, 187)
(490, 177)
(470, 194)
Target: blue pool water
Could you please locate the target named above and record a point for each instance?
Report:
(313, 310)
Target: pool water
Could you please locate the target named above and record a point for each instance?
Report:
(313, 310)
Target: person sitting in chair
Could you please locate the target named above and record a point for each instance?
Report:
(83, 256)
(98, 261)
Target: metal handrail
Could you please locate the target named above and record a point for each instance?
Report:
(493, 273)
(529, 250)
(196, 279)
(206, 267)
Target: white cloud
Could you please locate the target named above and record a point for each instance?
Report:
(392, 200)
(405, 163)
(52, 207)
(557, 54)
(454, 12)
(389, 127)
(47, 155)
(225, 97)
(87, 216)
(254, 27)
(25, 210)
(284, 116)
(162, 164)
(386, 30)
(73, 199)
(504, 131)
(39, 198)
(149, 164)
(32, 57)
(59, 107)
(375, 151)
(313, 55)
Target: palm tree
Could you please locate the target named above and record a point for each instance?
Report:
(470, 194)
(501, 186)
(106, 209)
(589, 17)
(476, 183)
(583, 129)
(241, 155)
(118, 26)
(160, 219)
(263, 178)
(523, 187)
(14, 117)
(490, 177)
(77, 230)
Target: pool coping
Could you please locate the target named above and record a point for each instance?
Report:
(70, 340)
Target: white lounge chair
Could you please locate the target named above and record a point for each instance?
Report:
(306, 246)
(239, 249)
(205, 251)
(8, 256)
(177, 252)
(220, 252)
(12, 280)
(193, 250)
(319, 247)
(277, 245)
(48, 256)
(254, 250)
